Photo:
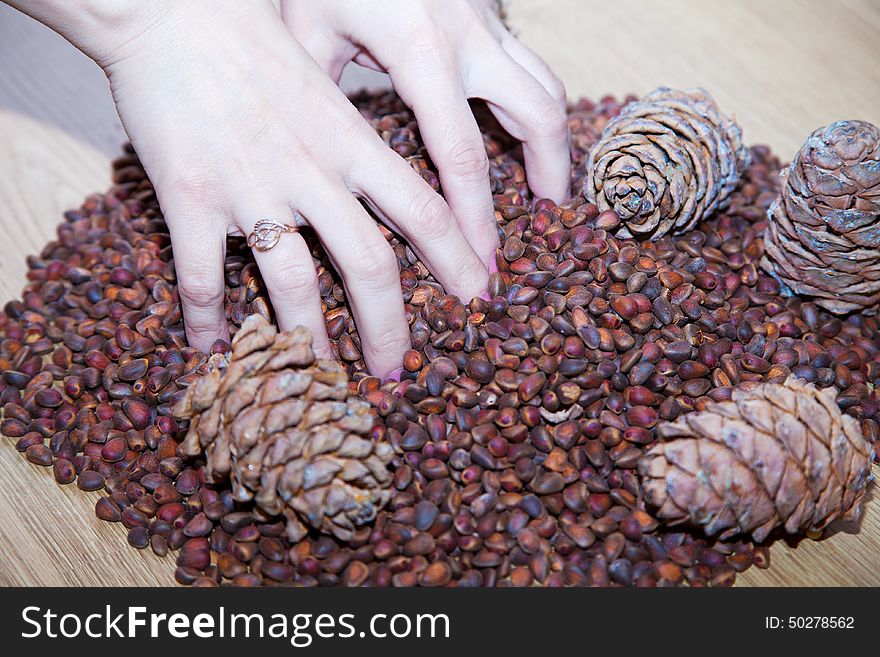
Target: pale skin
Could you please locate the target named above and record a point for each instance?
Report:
(235, 112)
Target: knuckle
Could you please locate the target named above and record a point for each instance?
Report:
(468, 161)
(199, 331)
(201, 290)
(465, 279)
(290, 149)
(297, 279)
(374, 264)
(550, 120)
(417, 22)
(427, 44)
(557, 90)
(429, 216)
(190, 186)
(391, 339)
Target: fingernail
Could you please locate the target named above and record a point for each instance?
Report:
(394, 375)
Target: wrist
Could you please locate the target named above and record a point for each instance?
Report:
(99, 28)
(110, 30)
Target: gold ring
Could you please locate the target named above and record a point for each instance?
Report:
(266, 234)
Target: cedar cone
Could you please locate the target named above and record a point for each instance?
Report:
(823, 235)
(778, 455)
(665, 162)
(284, 427)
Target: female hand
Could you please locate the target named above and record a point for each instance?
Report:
(234, 122)
(439, 53)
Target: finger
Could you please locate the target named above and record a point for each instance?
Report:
(456, 146)
(289, 273)
(328, 50)
(528, 112)
(198, 260)
(368, 268)
(530, 61)
(409, 206)
(521, 53)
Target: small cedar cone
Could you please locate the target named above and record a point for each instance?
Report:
(665, 162)
(823, 235)
(284, 427)
(778, 455)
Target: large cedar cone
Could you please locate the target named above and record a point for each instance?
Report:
(284, 427)
(778, 455)
(823, 236)
(665, 162)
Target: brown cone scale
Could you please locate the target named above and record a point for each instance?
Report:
(283, 426)
(665, 162)
(779, 455)
(823, 235)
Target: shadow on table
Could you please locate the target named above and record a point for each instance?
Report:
(47, 79)
(841, 526)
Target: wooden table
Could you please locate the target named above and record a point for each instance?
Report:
(783, 67)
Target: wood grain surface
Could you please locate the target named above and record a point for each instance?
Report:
(783, 67)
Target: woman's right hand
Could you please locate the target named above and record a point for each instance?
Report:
(234, 122)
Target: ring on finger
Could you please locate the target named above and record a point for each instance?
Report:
(267, 232)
